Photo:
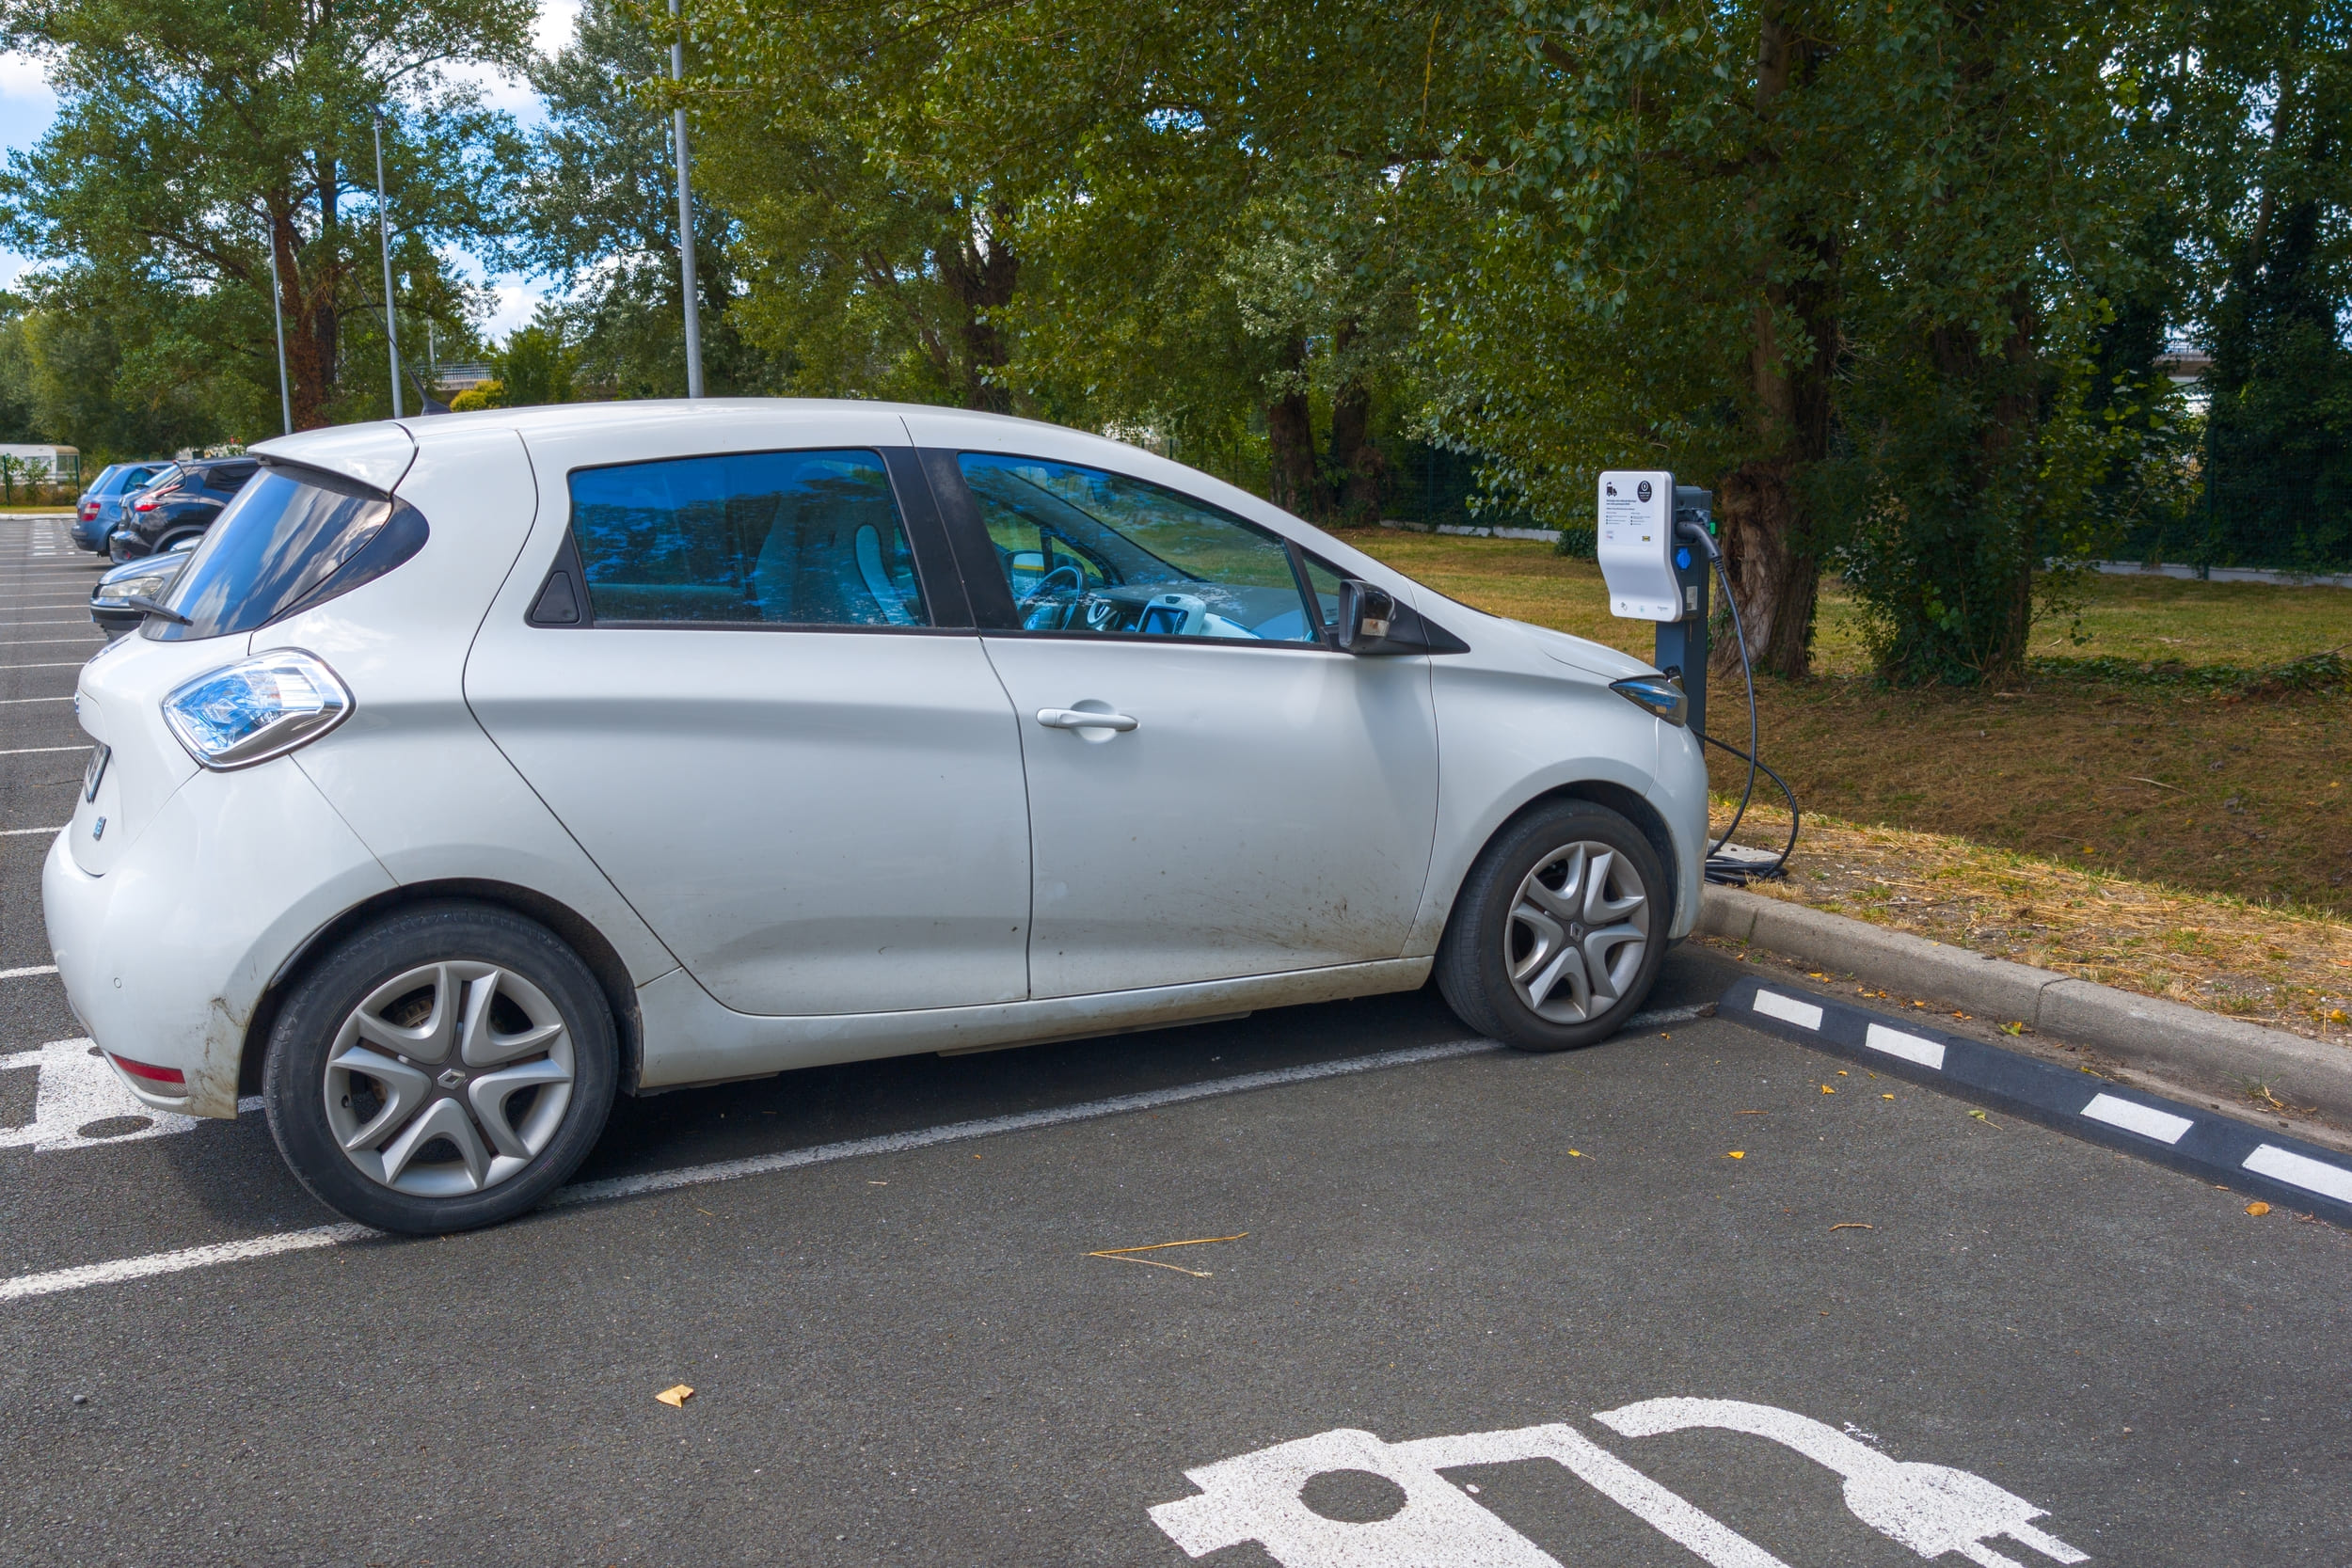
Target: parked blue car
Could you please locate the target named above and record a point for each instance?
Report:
(98, 512)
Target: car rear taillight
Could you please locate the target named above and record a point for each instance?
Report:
(90, 509)
(145, 506)
(163, 1080)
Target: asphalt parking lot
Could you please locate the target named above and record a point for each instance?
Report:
(1440, 1268)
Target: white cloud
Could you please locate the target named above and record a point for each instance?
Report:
(516, 300)
(555, 24)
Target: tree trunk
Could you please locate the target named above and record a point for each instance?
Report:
(315, 301)
(980, 274)
(1358, 466)
(1769, 554)
(306, 375)
(1776, 584)
(1289, 432)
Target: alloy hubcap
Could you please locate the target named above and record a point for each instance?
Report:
(449, 1079)
(1579, 928)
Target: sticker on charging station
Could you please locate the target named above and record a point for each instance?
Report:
(1635, 546)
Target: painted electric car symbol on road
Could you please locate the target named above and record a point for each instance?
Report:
(1931, 1509)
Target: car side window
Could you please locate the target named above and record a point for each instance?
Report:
(1090, 552)
(1322, 586)
(793, 538)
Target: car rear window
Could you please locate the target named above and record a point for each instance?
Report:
(792, 538)
(293, 537)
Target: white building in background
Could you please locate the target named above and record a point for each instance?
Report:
(2186, 366)
(45, 465)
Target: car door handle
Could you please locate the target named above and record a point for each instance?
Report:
(1078, 719)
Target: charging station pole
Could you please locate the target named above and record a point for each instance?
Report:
(1683, 646)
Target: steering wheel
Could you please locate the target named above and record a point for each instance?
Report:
(1077, 584)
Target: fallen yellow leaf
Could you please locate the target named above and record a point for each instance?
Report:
(1737, 1154)
(1886, 1097)
(1826, 1089)
(2258, 1209)
(1843, 1073)
(1576, 1154)
(675, 1397)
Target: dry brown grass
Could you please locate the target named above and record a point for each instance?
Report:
(2187, 786)
(2167, 839)
(2269, 966)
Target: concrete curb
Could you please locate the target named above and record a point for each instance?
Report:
(2221, 1054)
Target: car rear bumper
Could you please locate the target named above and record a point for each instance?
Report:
(167, 953)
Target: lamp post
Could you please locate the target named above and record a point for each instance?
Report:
(685, 222)
(277, 313)
(384, 236)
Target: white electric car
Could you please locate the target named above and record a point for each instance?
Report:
(477, 768)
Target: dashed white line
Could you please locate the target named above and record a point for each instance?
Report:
(1911, 1048)
(2146, 1120)
(1805, 1015)
(2313, 1175)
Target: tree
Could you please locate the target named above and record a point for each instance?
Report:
(1835, 256)
(536, 366)
(195, 140)
(598, 209)
(2260, 100)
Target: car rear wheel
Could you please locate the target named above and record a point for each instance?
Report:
(1559, 931)
(445, 1067)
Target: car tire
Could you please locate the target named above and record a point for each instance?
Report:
(404, 1095)
(1559, 930)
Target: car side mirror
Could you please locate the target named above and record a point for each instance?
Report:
(1367, 615)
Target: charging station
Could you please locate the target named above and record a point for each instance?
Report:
(1656, 571)
(1657, 550)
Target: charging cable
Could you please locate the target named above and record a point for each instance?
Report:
(1723, 868)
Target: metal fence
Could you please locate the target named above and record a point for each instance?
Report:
(1435, 487)
(2253, 522)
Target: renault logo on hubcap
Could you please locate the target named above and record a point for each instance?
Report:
(452, 1079)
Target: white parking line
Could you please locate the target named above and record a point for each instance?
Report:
(1805, 1015)
(6, 700)
(68, 664)
(2146, 1120)
(29, 969)
(50, 1283)
(27, 832)
(38, 751)
(121, 1269)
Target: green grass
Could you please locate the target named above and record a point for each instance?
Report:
(2153, 749)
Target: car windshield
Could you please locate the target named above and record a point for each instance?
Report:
(292, 537)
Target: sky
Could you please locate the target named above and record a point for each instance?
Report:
(27, 106)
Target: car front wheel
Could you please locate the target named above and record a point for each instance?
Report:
(1559, 931)
(445, 1067)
